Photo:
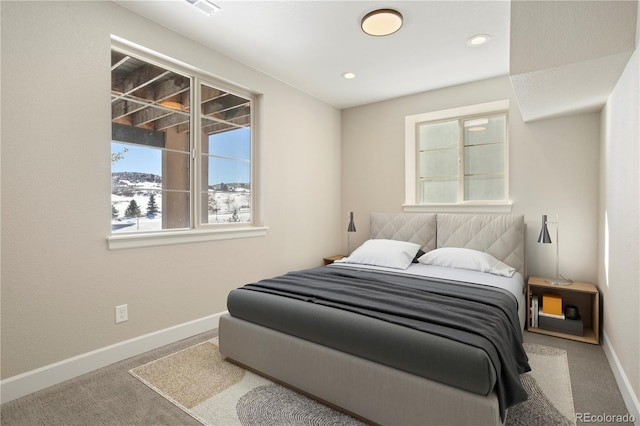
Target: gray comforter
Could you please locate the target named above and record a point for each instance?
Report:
(480, 316)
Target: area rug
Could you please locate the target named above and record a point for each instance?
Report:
(549, 387)
(216, 392)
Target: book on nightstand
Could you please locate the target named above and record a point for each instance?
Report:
(534, 311)
(541, 313)
(560, 324)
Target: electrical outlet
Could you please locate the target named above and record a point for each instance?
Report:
(121, 313)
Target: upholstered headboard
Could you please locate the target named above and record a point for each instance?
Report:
(502, 236)
(419, 228)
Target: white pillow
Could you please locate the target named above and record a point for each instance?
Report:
(464, 258)
(381, 252)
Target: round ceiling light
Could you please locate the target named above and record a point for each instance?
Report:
(381, 22)
(478, 39)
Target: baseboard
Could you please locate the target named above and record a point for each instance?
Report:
(628, 395)
(32, 381)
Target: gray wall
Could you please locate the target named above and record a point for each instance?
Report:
(553, 170)
(619, 247)
(60, 283)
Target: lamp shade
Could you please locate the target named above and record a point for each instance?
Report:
(544, 232)
(352, 225)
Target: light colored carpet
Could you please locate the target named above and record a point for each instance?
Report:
(214, 391)
(549, 387)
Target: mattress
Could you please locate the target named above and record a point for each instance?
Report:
(432, 356)
(514, 285)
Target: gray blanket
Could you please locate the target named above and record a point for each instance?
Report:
(480, 316)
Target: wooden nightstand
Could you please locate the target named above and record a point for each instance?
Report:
(329, 260)
(583, 295)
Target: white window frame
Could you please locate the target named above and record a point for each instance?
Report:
(411, 164)
(198, 232)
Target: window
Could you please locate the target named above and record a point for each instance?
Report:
(225, 157)
(167, 179)
(458, 157)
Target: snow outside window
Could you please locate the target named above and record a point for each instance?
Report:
(166, 177)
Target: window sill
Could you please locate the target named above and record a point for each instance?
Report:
(118, 242)
(458, 208)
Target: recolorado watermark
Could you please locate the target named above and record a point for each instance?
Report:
(604, 418)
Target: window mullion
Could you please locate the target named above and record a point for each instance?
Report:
(196, 140)
(417, 178)
(506, 157)
(461, 161)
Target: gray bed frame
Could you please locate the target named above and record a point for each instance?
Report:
(368, 390)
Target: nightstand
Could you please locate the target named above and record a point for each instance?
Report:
(329, 260)
(581, 294)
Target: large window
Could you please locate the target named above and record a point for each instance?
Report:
(455, 159)
(166, 177)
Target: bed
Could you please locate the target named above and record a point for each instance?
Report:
(394, 336)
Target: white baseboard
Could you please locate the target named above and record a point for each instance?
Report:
(31, 381)
(628, 395)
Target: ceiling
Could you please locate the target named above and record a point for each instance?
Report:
(147, 101)
(562, 56)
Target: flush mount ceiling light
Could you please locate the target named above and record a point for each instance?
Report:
(348, 75)
(381, 22)
(204, 6)
(478, 39)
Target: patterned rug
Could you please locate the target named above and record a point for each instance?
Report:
(216, 392)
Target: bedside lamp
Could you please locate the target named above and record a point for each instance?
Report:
(351, 228)
(545, 238)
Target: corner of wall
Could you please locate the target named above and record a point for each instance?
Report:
(628, 395)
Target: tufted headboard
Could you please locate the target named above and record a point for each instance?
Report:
(500, 235)
(419, 228)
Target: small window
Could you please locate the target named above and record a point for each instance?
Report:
(165, 177)
(457, 159)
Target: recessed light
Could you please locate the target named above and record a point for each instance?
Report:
(478, 39)
(381, 22)
(348, 75)
(172, 105)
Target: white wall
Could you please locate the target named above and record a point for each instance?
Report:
(553, 167)
(619, 247)
(60, 284)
